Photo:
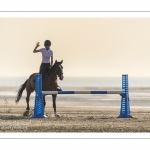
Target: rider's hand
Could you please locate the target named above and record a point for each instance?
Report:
(37, 44)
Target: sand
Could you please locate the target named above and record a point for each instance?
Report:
(74, 117)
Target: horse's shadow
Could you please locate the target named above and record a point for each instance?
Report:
(26, 115)
(12, 117)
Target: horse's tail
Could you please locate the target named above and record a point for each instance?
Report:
(20, 91)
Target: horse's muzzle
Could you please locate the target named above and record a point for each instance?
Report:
(61, 77)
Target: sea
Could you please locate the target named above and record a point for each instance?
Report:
(82, 81)
(139, 89)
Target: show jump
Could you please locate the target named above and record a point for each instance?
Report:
(124, 93)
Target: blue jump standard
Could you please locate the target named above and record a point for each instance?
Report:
(125, 101)
(124, 93)
(38, 106)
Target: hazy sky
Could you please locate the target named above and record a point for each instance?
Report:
(88, 46)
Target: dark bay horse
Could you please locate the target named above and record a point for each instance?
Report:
(49, 84)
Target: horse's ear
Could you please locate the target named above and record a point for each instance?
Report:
(55, 61)
(61, 61)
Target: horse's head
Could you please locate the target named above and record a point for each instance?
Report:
(59, 69)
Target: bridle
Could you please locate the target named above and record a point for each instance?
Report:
(60, 73)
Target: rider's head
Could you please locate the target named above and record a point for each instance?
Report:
(47, 44)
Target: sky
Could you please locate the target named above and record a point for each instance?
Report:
(89, 47)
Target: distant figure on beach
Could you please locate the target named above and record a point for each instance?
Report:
(47, 58)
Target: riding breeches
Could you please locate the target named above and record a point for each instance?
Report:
(43, 67)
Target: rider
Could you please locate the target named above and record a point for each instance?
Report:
(47, 57)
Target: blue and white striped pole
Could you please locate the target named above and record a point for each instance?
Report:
(38, 106)
(83, 92)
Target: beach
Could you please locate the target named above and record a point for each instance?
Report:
(74, 117)
(78, 113)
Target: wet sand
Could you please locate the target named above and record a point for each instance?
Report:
(74, 117)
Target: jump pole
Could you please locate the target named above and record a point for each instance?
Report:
(124, 93)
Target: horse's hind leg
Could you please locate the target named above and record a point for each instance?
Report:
(54, 105)
(27, 100)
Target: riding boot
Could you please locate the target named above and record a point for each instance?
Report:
(43, 77)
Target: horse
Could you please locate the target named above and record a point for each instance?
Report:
(49, 84)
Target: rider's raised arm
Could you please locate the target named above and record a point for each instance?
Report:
(35, 49)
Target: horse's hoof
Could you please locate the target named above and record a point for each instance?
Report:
(26, 113)
(57, 116)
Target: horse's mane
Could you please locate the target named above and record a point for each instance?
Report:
(50, 70)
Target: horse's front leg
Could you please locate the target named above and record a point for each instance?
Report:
(54, 105)
(44, 102)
